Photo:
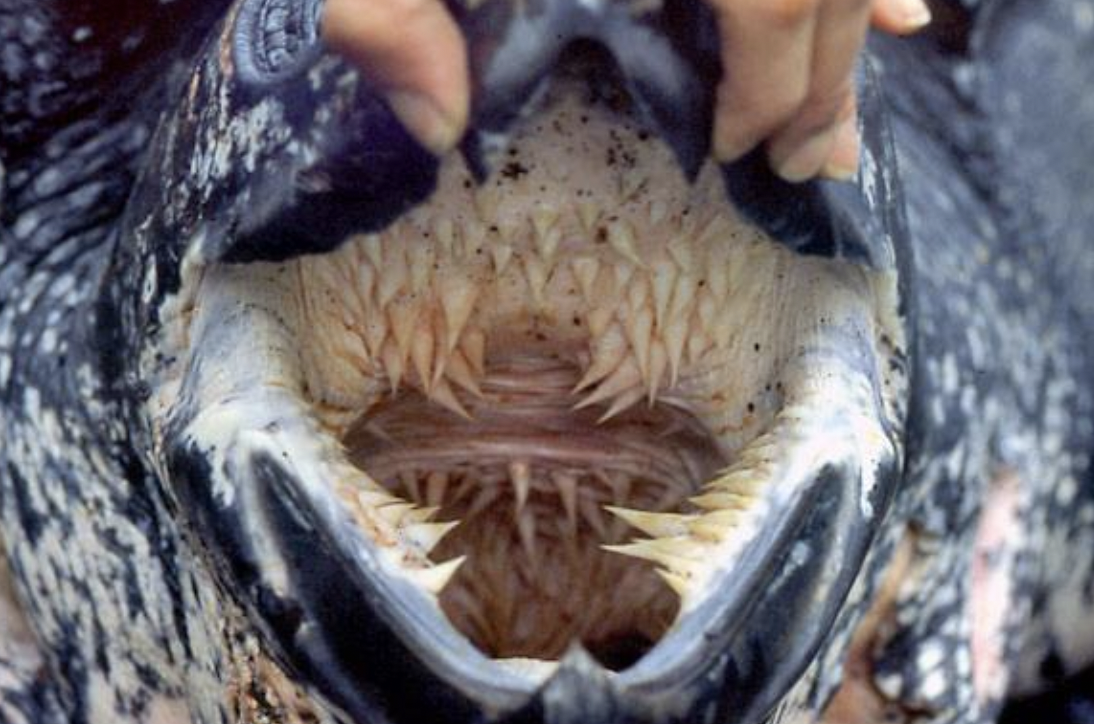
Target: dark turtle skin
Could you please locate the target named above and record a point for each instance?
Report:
(137, 136)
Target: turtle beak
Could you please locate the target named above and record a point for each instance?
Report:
(351, 607)
(370, 643)
(765, 624)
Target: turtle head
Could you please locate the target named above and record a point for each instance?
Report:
(546, 430)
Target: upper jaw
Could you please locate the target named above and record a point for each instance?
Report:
(253, 471)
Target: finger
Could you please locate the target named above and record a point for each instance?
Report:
(766, 56)
(901, 17)
(843, 163)
(413, 51)
(801, 149)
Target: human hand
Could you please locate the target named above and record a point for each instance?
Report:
(787, 83)
(414, 52)
(788, 79)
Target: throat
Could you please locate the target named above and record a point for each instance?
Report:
(528, 478)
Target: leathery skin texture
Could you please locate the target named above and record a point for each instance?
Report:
(147, 160)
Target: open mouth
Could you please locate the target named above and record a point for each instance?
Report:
(582, 405)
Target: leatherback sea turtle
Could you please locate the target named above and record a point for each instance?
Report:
(300, 424)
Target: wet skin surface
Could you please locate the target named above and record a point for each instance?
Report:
(145, 606)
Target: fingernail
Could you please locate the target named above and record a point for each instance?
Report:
(842, 165)
(424, 120)
(915, 13)
(805, 161)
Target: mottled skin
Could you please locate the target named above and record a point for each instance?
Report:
(990, 114)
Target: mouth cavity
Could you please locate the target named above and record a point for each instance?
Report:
(535, 488)
(565, 405)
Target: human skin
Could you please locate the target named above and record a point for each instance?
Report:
(787, 84)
